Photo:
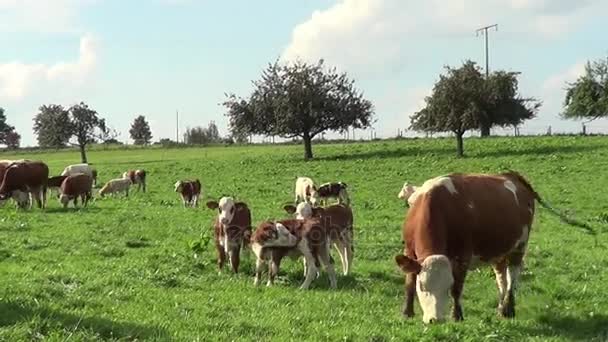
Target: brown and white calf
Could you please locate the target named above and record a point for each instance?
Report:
(115, 186)
(137, 177)
(407, 193)
(26, 176)
(232, 230)
(74, 186)
(339, 221)
(190, 191)
(456, 221)
(306, 191)
(335, 190)
(273, 240)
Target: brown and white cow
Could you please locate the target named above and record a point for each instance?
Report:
(456, 221)
(74, 186)
(21, 198)
(273, 240)
(26, 176)
(339, 220)
(81, 168)
(190, 192)
(335, 190)
(407, 193)
(114, 186)
(232, 230)
(306, 191)
(137, 177)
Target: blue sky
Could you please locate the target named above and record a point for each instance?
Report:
(153, 57)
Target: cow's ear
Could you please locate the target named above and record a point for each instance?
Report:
(212, 205)
(408, 265)
(290, 209)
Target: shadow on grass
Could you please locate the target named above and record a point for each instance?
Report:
(378, 153)
(574, 328)
(92, 209)
(531, 149)
(12, 313)
(142, 162)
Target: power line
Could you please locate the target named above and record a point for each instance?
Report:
(484, 31)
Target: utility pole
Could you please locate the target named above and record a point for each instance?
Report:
(176, 126)
(485, 131)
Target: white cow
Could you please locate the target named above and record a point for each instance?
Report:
(407, 193)
(81, 168)
(116, 185)
(306, 191)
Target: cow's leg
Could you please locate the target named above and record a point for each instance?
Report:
(221, 256)
(43, 192)
(311, 269)
(348, 252)
(37, 194)
(500, 270)
(259, 263)
(234, 256)
(513, 271)
(410, 293)
(273, 269)
(459, 272)
(324, 259)
(341, 252)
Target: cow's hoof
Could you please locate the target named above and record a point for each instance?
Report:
(507, 311)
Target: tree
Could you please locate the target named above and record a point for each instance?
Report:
(140, 131)
(587, 97)
(463, 100)
(87, 127)
(299, 100)
(202, 136)
(12, 139)
(4, 127)
(52, 125)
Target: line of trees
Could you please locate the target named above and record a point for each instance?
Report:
(8, 134)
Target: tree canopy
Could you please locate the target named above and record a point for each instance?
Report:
(463, 99)
(201, 135)
(299, 100)
(140, 131)
(52, 125)
(8, 135)
(587, 97)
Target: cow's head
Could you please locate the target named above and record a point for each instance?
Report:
(312, 195)
(302, 211)
(226, 209)
(178, 186)
(64, 199)
(433, 283)
(22, 198)
(271, 234)
(407, 191)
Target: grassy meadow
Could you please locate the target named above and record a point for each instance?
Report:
(124, 269)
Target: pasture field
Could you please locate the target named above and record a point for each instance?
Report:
(124, 269)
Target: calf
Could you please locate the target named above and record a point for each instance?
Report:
(335, 190)
(74, 186)
(232, 230)
(116, 185)
(55, 182)
(461, 218)
(306, 191)
(137, 177)
(190, 192)
(339, 220)
(273, 240)
(81, 168)
(26, 176)
(407, 193)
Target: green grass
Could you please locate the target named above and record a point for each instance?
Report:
(123, 269)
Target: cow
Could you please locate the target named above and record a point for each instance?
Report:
(306, 191)
(55, 182)
(339, 220)
(335, 190)
(273, 240)
(407, 193)
(458, 221)
(22, 199)
(81, 168)
(137, 177)
(116, 185)
(74, 186)
(231, 229)
(190, 191)
(26, 176)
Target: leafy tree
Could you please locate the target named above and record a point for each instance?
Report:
(12, 139)
(4, 127)
(299, 100)
(587, 97)
(140, 131)
(202, 136)
(87, 127)
(53, 126)
(463, 99)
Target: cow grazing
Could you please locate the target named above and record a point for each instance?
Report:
(22, 199)
(339, 220)
(74, 186)
(190, 192)
(116, 185)
(81, 168)
(55, 182)
(137, 177)
(273, 240)
(458, 220)
(306, 191)
(335, 190)
(232, 230)
(407, 193)
(26, 176)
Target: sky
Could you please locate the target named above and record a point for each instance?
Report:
(156, 57)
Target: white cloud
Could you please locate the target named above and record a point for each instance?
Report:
(377, 33)
(17, 78)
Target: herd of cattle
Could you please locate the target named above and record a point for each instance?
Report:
(453, 222)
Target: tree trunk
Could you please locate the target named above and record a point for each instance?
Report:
(459, 145)
(307, 146)
(83, 154)
(485, 130)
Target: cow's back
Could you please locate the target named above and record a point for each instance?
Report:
(76, 184)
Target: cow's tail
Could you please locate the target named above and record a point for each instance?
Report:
(559, 213)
